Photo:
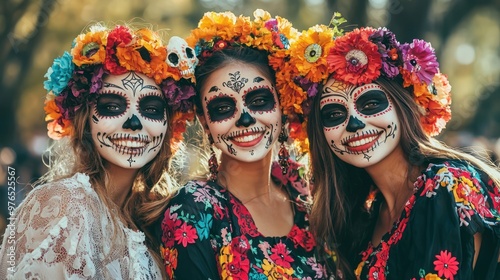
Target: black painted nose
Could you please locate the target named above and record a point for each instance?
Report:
(354, 124)
(132, 123)
(245, 120)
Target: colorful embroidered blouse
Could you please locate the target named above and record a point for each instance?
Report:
(433, 239)
(209, 234)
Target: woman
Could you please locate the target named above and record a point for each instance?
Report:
(389, 200)
(110, 107)
(248, 221)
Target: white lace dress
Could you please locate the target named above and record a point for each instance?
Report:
(62, 230)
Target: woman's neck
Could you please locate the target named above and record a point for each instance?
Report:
(393, 180)
(120, 182)
(246, 180)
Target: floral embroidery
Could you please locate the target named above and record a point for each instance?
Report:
(474, 200)
(446, 265)
(185, 234)
(204, 216)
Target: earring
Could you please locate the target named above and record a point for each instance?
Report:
(213, 164)
(283, 154)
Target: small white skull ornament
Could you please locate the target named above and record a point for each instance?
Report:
(181, 56)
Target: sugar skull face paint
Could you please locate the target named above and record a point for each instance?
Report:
(129, 120)
(241, 111)
(359, 123)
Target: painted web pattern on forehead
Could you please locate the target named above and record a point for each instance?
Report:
(133, 82)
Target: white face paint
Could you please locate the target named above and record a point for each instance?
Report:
(241, 111)
(129, 120)
(360, 123)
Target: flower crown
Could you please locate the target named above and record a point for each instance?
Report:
(218, 31)
(359, 57)
(76, 76)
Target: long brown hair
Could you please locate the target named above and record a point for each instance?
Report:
(150, 191)
(339, 219)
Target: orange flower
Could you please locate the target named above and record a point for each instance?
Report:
(89, 48)
(309, 53)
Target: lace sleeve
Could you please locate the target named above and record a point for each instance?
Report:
(57, 230)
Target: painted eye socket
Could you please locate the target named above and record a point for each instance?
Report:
(333, 115)
(111, 105)
(260, 100)
(152, 107)
(221, 108)
(372, 102)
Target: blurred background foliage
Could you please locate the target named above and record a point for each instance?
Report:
(465, 34)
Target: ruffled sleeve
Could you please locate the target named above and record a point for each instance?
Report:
(456, 202)
(56, 233)
(186, 227)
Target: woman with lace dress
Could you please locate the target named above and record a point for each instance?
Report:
(110, 108)
(391, 201)
(249, 220)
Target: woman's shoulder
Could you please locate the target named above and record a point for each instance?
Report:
(199, 194)
(73, 196)
(474, 194)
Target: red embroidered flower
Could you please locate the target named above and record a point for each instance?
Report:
(281, 256)
(303, 238)
(245, 221)
(446, 265)
(185, 234)
(355, 59)
(168, 226)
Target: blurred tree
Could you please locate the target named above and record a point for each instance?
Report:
(18, 45)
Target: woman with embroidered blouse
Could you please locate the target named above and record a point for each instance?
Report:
(111, 112)
(390, 201)
(249, 220)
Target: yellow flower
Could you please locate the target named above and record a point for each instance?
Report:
(273, 271)
(432, 276)
(89, 48)
(316, 41)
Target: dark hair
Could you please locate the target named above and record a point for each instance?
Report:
(339, 218)
(220, 58)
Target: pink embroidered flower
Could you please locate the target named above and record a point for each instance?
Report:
(281, 256)
(185, 234)
(446, 265)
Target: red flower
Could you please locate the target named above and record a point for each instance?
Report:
(185, 234)
(446, 265)
(303, 238)
(168, 226)
(120, 36)
(281, 256)
(245, 220)
(355, 59)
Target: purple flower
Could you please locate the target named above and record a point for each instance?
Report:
(419, 59)
(308, 86)
(272, 24)
(96, 80)
(178, 94)
(388, 47)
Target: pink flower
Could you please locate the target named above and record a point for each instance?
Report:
(446, 265)
(420, 61)
(185, 234)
